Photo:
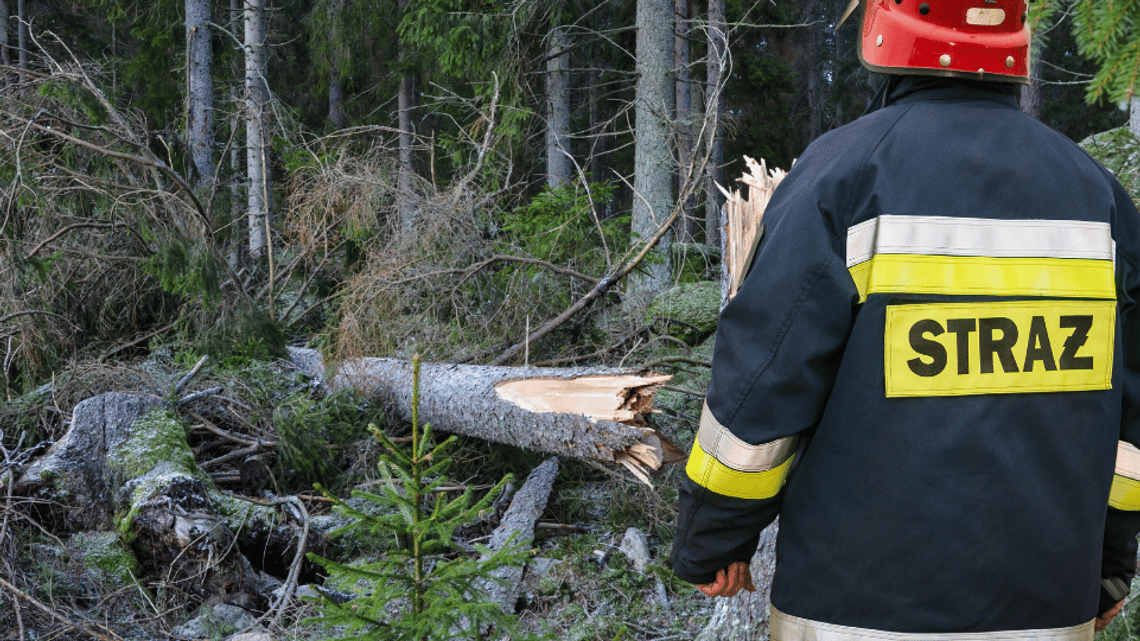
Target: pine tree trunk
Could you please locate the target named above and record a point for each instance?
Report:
(686, 226)
(653, 164)
(235, 22)
(714, 173)
(559, 164)
(337, 117)
(200, 90)
(5, 45)
(1134, 116)
(1031, 93)
(22, 32)
(257, 100)
(406, 102)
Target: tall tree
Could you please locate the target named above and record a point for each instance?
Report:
(686, 227)
(256, 126)
(5, 53)
(1134, 115)
(653, 163)
(559, 163)
(714, 111)
(405, 104)
(337, 63)
(200, 90)
(1031, 93)
(22, 32)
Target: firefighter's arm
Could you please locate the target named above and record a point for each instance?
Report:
(778, 347)
(1122, 523)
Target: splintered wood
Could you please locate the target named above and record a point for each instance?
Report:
(744, 211)
(623, 399)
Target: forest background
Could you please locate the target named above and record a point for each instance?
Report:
(484, 182)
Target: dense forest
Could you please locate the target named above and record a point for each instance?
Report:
(192, 187)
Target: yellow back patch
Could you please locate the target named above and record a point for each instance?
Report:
(957, 349)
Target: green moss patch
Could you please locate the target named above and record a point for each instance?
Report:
(105, 556)
(156, 438)
(688, 311)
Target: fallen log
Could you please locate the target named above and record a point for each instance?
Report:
(591, 414)
(517, 528)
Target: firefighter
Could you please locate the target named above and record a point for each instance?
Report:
(933, 369)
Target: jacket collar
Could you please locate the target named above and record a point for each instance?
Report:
(905, 89)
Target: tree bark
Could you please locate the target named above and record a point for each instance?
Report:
(686, 226)
(653, 161)
(406, 102)
(1134, 116)
(714, 173)
(257, 102)
(589, 414)
(337, 117)
(5, 44)
(22, 32)
(200, 90)
(1031, 93)
(559, 163)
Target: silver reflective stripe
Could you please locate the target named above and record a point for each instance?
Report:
(1128, 460)
(724, 446)
(785, 627)
(946, 236)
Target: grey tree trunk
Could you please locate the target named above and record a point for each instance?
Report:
(653, 164)
(686, 225)
(256, 120)
(337, 117)
(1031, 93)
(1134, 116)
(744, 617)
(235, 22)
(559, 163)
(406, 102)
(22, 32)
(5, 44)
(714, 173)
(200, 90)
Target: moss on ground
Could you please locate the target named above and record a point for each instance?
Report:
(106, 557)
(156, 438)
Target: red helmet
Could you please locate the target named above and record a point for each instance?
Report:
(978, 39)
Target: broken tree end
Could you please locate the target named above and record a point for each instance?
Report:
(621, 398)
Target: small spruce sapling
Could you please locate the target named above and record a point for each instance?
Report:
(426, 587)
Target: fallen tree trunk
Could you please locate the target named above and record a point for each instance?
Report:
(590, 414)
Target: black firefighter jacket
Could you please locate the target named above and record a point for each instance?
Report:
(930, 374)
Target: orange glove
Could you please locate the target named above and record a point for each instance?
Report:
(731, 580)
(1103, 620)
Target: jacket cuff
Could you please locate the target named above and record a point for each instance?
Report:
(714, 531)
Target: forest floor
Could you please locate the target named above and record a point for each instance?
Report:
(579, 584)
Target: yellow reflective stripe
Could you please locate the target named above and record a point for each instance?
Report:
(717, 441)
(1125, 492)
(983, 276)
(710, 473)
(787, 627)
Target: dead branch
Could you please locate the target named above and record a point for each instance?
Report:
(106, 635)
